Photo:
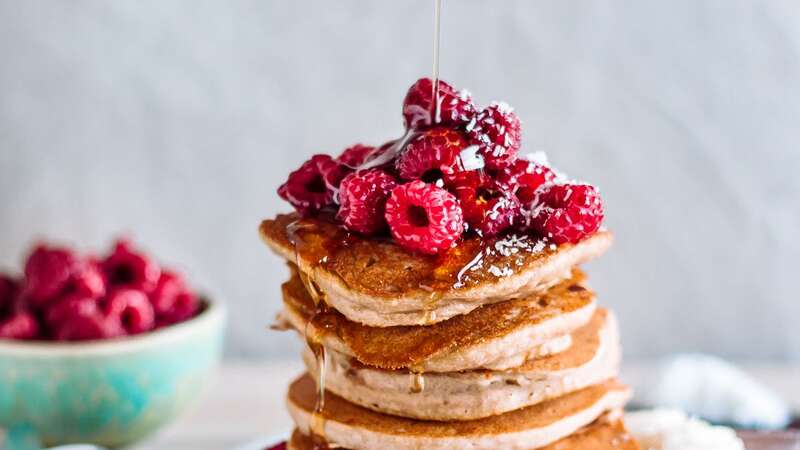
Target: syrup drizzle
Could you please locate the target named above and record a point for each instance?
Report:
(313, 338)
(436, 107)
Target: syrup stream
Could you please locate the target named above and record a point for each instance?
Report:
(437, 106)
(313, 340)
(417, 376)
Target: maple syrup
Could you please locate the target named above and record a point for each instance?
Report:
(436, 107)
(311, 246)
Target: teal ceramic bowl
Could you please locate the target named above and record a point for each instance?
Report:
(111, 393)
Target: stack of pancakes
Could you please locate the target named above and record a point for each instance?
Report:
(496, 344)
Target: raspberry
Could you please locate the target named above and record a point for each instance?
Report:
(172, 301)
(382, 157)
(163, 298)
(431, 156)
(487, 208)
(423, 217)
(333, 172)
(8, 292)
(132, 308)
(355, 156)
(20, 325)
(522, 177)
(281, 446)
(48, 272)
(497, 131)
(456, 108)
(566, 212)
(306, 188)
(127, 268)
(363, 200)
(90, 280)
(68, 307)
(184, 308)
(79, 318)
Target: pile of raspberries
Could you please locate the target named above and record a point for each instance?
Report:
(64, 296)
(450, 175)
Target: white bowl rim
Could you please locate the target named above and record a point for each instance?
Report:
(212, 316)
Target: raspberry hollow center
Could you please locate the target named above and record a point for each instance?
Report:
(316, 185)
(417, 216)
(432, 176)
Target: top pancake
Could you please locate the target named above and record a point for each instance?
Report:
(375, 282)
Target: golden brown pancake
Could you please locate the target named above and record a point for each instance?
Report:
(411, 346)
(376, 282)
(359, 428)
(600, 435)
(593, 358)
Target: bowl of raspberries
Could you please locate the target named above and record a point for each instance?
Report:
(457, 171)
(101, 349)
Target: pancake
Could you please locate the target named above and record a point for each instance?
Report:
(377, 283)
(354, 427)
(593, 358)
(496, 336)
(600, 435)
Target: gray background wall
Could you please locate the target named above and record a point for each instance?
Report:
(176, 120)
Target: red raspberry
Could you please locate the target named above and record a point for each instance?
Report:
(497, 131)
(333, 172)
(487, 208)
(423, 217)
(306, 188)
(522, 177)
(20, 325)
(566, 212)
(132, 308)
(353, 157)
(456, 108)
(9, 288)
(172, 300)
(90, 280)
(281, 446)
(48, 272)
(128, 268)
(431, 156)
(90, 327)
(79, 318)
(169, 287)
(68, 307)
(363, 197)
(184, 308)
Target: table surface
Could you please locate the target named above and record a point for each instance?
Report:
(246, 401)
